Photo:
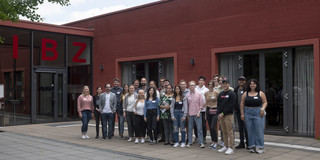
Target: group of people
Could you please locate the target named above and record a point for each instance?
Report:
(163, 112)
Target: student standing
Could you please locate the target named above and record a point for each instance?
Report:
(195, 103)
(151, 114)
(140, 124)
(120, 112)
(179, 110)
(201, 88)
(85, 109)
(242, 127)
(107, 109)
(117, 90)
(212, 116)
(128, 106)
(226, 102)
(97, 114)
(253, 106)
(165, 115)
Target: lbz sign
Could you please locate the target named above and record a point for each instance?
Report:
(52, 49)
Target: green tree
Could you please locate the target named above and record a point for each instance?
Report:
(10, 10)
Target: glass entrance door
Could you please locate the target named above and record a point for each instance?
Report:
(50, 95)
(45, 96)
(267, 68)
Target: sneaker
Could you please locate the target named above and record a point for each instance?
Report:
(201, 145)
(188, 145)
(130, 139)
(83, 137)
(142, 140)
(211, 145)
(137, 141)
(223, 149)
(260, 151)
(87, 136)
(241, 145)
(154, 142)
(221, 144)
(97, 136)
(229, 151)
(150, 142)
(183, 145)
(252, 150)
(195, 140)
(176, 145)
(215, 146)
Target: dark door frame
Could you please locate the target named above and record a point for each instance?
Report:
(55, 71)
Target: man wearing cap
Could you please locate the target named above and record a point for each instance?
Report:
(226, 103)
(242, 128)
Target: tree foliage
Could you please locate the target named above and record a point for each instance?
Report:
(10, 10)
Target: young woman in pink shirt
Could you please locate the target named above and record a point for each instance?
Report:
(85, 110)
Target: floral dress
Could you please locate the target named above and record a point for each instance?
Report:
(165, 101)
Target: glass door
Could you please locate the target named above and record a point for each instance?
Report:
(45, 96)
(267, 67)
(50, 95)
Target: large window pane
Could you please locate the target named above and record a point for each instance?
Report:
(15, 75)
(79, 70)
(303, 91)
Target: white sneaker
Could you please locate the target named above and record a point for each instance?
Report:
(87, 136)
(260, 151)
(130, 139)
(137, 141)
(223, 149)
(83, 137)
(176, 145)
(229, 151)
(201, 145)
(252, 150)
(183, 145)
(142, 140)
(188, 145)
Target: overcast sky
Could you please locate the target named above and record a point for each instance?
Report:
(80, 9)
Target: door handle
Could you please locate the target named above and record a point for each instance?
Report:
(286, 96)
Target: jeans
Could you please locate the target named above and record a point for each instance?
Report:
(107, 118)
(120, 123)
(130, 122)
(212, 121)
(97, 116)
(152, 123)
(140, 126)
(179, 123)
(86, 116)
(255, 126)
(168, 130)
(198, 121)
(204, 126)
(227, 130)
(113, 123)
(242, 129)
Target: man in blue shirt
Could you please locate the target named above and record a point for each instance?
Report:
(117, 90)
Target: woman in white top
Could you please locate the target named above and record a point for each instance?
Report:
(140, 124)
(128, 106)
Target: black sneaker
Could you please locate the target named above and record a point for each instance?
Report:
(97, 136)
(241, 145)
